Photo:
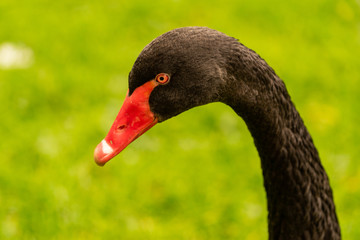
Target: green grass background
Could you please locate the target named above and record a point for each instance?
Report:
(196, 176)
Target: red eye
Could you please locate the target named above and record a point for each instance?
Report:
(162, 78)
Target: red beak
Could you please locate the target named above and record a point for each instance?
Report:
(133, 120)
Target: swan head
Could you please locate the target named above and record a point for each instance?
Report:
(179, 70)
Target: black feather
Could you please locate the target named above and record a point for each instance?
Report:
(208, 66)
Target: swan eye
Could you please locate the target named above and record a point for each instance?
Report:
(162, 78)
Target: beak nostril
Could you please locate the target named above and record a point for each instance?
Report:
(121, 127)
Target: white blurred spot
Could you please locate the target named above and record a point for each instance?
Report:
(15, 56)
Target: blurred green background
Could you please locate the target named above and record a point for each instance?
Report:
(63, 77)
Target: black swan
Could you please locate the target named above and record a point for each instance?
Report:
(193, 66)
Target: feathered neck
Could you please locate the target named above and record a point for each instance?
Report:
(300, 200)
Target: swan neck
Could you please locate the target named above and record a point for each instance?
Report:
(300, 200)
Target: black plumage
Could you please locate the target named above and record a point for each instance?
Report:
(208, 66)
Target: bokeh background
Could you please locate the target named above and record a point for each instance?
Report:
(63, 77)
